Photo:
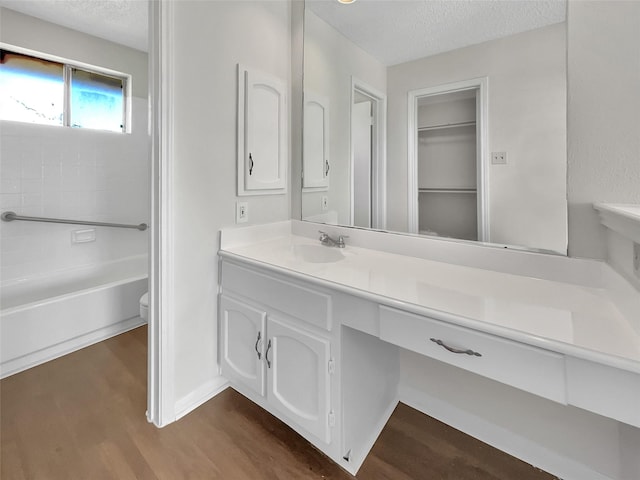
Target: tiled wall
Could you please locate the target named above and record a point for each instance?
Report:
(71, 173)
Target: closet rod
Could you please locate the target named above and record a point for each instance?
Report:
(445, 125)
(447, 190)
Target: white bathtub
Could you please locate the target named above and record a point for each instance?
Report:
(45, 317)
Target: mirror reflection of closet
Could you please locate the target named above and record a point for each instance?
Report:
(447, 165)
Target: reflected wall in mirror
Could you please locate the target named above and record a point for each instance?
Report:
(454, 128)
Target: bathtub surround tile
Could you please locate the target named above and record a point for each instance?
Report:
(32, 186)
(9, 230)
(10, 201)
(86, 204)
(9, 166)
(52, 185)
(88, 177)
(12, 245)
(10, 185)
(51, 157)
(11, 271)
(51, 203)
(30, 199)
(31, 168)
(68, 201)
(11, 259)
(76, 174)
(70, 178)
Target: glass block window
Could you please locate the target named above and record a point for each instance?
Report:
(38, 90)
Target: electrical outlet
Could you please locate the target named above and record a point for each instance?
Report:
(242, 212)
(636, 259)
(499, 158)
(325, 203)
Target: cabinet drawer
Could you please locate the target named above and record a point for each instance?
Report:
(528, 368)
(304, 304)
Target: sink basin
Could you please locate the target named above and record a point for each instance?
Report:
(317, 253)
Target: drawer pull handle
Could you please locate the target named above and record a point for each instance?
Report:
(256, 347)
(455, 350)
(266, 355)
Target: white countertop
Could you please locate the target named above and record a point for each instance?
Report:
(582, 321)
(623, 209)
(620, 217)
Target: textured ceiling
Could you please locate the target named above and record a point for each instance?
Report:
(121, 21)
(394, 31)
(397, 31)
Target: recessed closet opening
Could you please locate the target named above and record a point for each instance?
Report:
(447, 161)
(447, 172)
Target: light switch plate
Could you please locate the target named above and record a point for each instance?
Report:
(242, 212)
(325, 203)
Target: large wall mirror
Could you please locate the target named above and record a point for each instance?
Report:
(438, 118)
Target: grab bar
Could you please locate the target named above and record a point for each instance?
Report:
(10, 216)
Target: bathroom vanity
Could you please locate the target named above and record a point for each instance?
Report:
(314, 334)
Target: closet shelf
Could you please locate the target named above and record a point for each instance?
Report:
(447, 190)
(446, 125)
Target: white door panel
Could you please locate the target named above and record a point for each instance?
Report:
(315, 157)
(262, 133)
(299, 376)
(242, 331)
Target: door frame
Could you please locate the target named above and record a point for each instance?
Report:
(378, 154)
(482, 155)
(160, 376)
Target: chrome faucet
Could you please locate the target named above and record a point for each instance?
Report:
(325, 239)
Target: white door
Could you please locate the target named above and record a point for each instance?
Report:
(242, 330)
(315, 155)
(262, 124)
(298, 373)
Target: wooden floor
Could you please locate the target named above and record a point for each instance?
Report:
(82, 417)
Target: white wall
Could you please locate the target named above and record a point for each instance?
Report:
(329, 74)
(603, 116)
(72, 173)
(527, 119)
(210, 39)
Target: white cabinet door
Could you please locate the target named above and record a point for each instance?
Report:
(315, 154)
(242, 333)
(298, 372)
(262, 133)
